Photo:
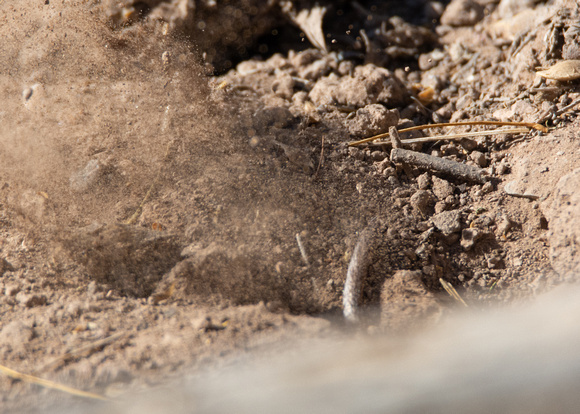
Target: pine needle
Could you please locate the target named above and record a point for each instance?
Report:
(531, 125)
(452, 292)
(49, 384)
(450, 137)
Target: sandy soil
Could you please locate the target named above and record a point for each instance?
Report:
(162, 162)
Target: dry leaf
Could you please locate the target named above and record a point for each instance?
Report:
(310, 22)
(565, 70)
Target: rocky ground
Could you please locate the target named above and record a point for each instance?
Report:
(177, 188)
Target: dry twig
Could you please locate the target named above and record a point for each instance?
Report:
(442, 165)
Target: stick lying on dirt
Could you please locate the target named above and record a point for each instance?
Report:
(429, 162)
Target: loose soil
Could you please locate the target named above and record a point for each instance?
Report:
(161, 162)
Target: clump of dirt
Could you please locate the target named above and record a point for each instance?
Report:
(190, 216)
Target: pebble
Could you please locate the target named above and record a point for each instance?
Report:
(372, 120)
(478, 158)
(423, 181)
(440, 207)
(502, 168)
(422, 201)
(509, 8)
(442, 188)
(469, 237)
(74, 309)
(487, 188)
(393, 181)
(378, 156)
(448, 222)
(468, 144)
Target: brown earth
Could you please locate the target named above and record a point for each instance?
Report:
(152, 195)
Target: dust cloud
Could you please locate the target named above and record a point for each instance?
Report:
(106, 125)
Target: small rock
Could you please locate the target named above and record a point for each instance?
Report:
(487, 187)
(563, 215)
(478, 158)
(468, 144)
(450, 239)
(109, 373)
(378, 156)
(27, 94)
(423, 181)
(448, 221)
(462, 13)
(422, 201)
(509, 8)
(440, 207)
(442, 188)
(372, 120)
(469, 237)
(502, 168)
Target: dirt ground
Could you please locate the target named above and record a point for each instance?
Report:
(177, 188)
